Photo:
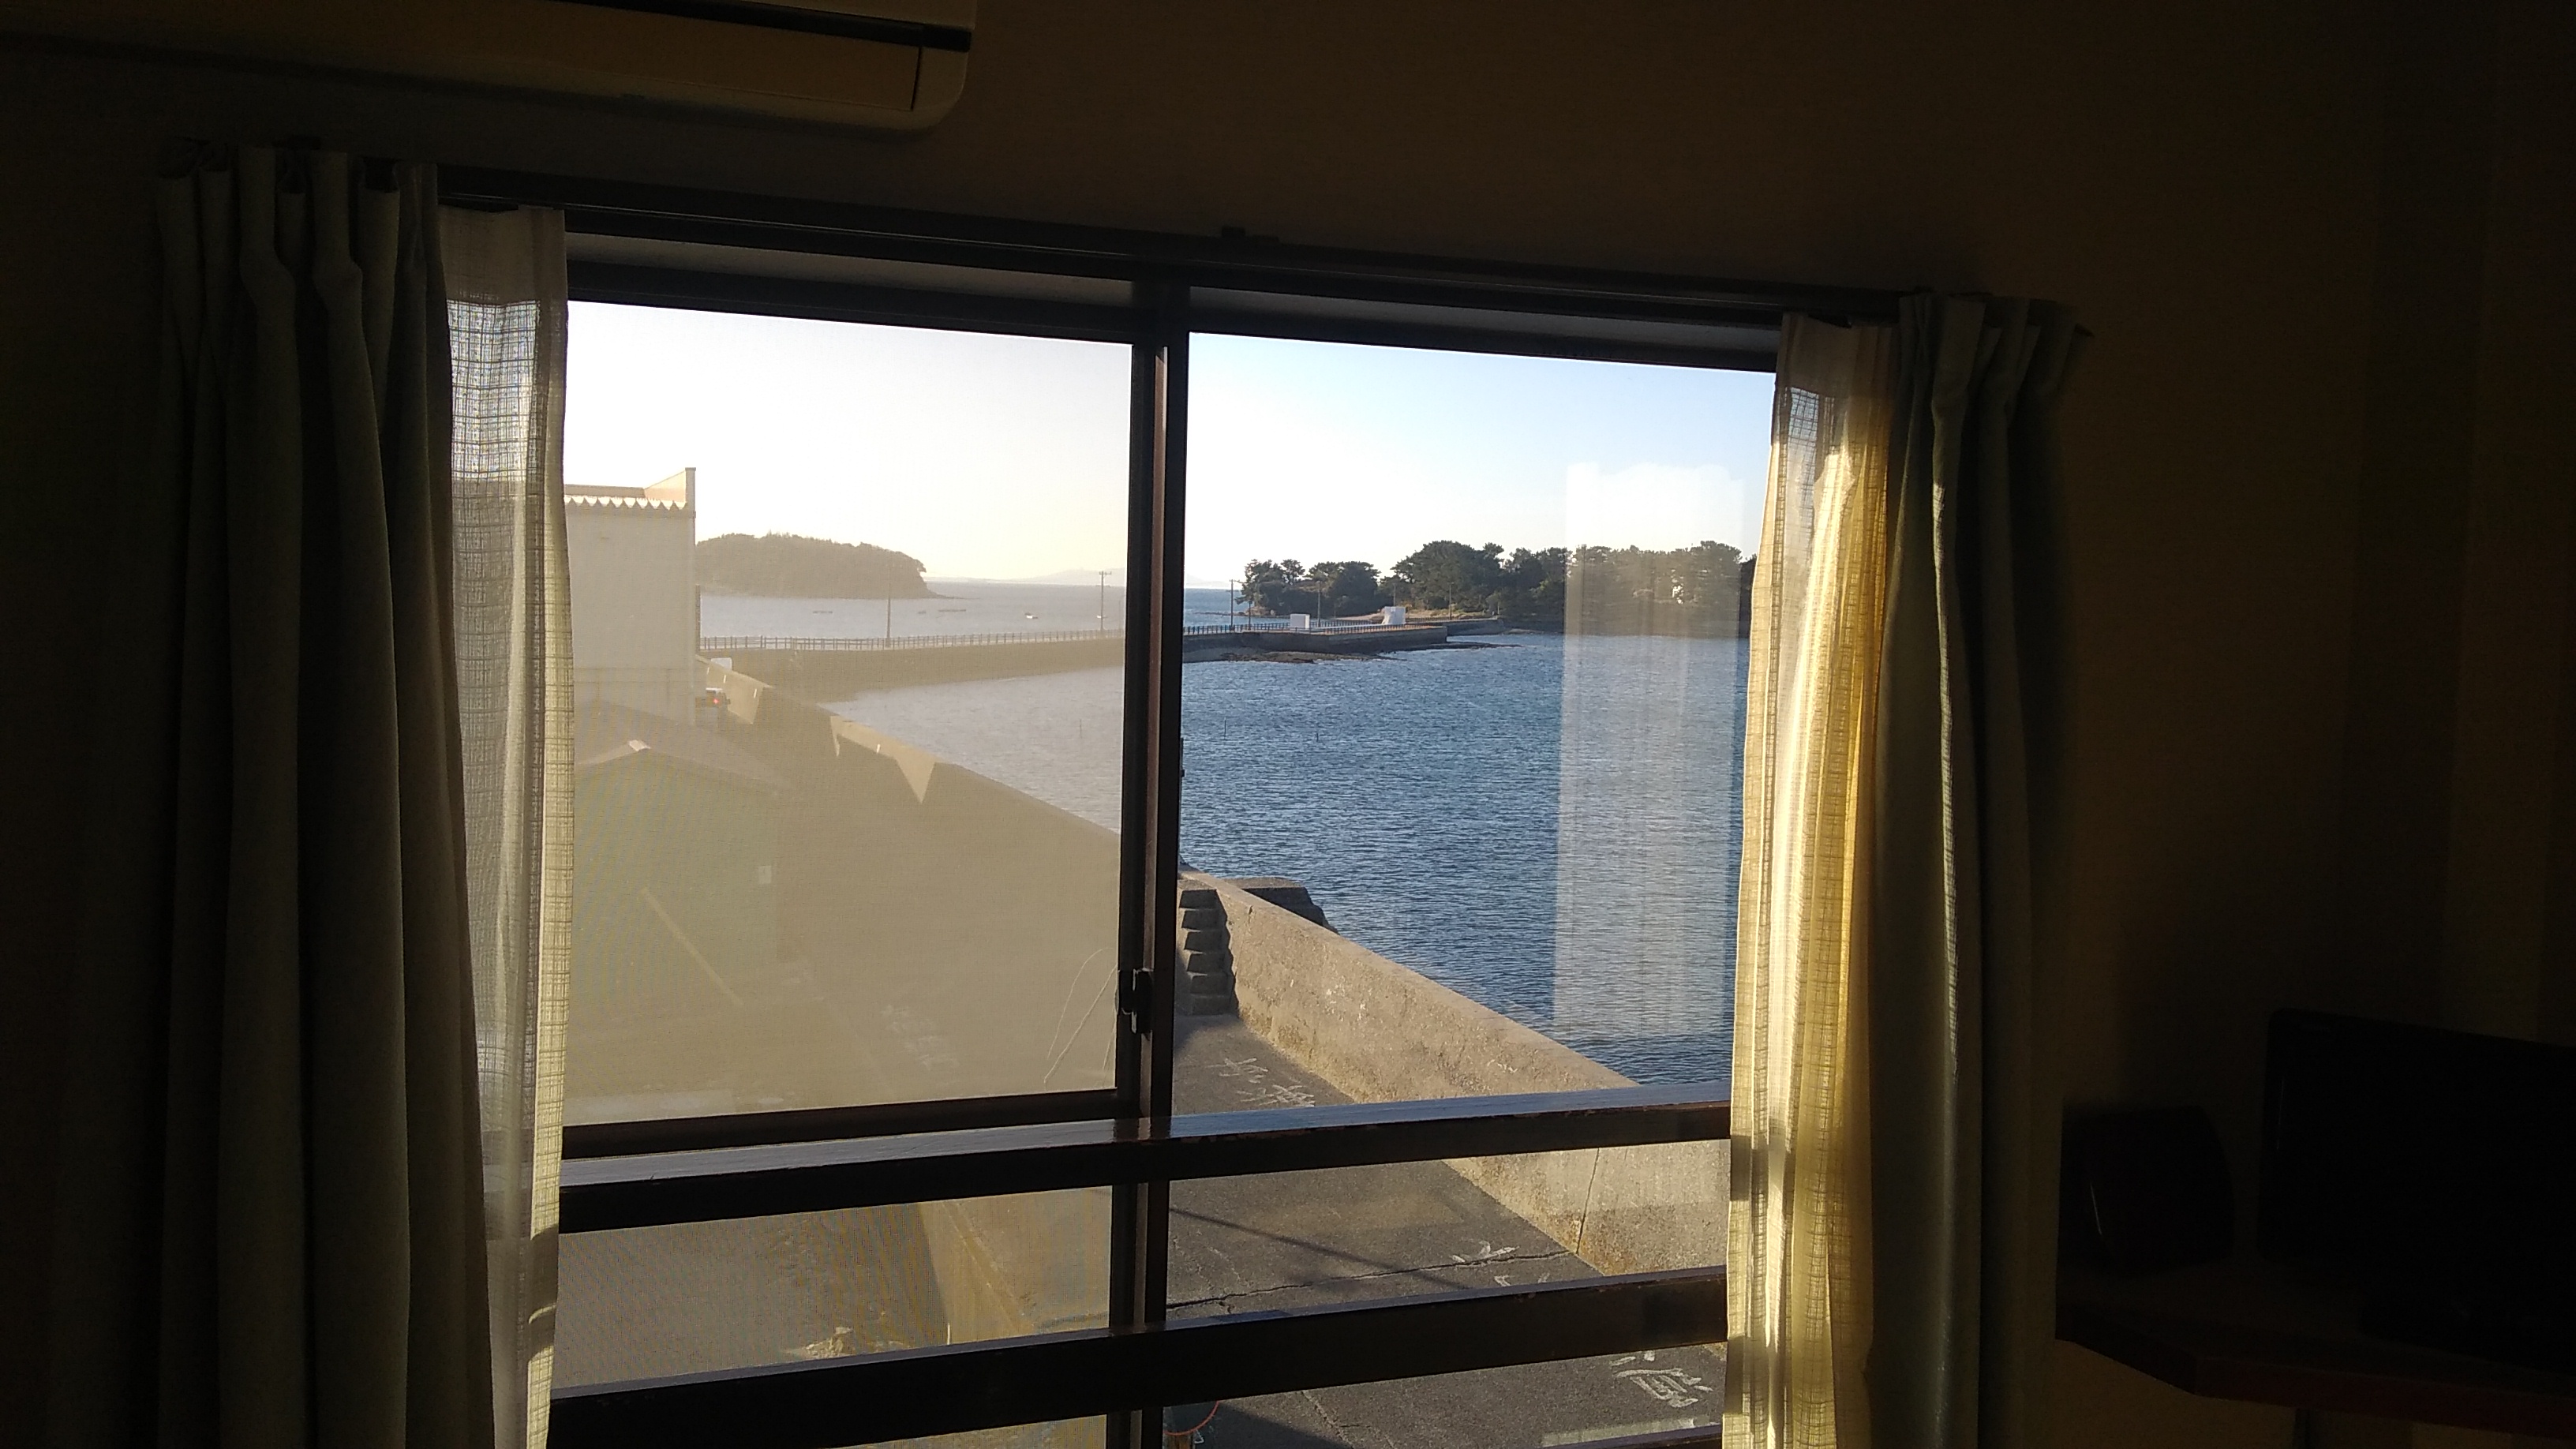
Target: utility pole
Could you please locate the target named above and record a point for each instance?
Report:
(889, 612)
(1103, 615)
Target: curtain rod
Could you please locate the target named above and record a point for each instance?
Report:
(1231, 259)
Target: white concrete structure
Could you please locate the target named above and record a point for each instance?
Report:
(1391, 614)
(1382, 1032)
(634, 594)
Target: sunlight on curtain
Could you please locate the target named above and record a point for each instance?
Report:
(1798, 1302)
(506, 310)
(1965, 1112)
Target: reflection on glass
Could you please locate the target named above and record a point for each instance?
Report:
(835, 842)
(1062, 1434)
(692, 1297)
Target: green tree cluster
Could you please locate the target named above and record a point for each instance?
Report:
(1698, 591)
(1326, 590)
(1525, 586)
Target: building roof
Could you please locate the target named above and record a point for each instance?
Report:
(676, 494)
(629, 499)
(606, 735)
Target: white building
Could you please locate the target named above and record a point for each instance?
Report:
(634, 594)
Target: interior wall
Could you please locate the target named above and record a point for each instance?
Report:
(2510, 793)
(2413, 513)
(2203, 181)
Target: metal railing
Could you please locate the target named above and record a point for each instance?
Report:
(746, 643)
(751, 1177)
(1278, 624)
(1249, 624)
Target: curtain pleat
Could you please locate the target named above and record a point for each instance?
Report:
(1891, 1261)
(274, 1217)
(451, 1392)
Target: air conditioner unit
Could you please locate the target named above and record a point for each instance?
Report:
(887, 64)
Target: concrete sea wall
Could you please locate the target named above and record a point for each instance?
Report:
(959, 931)
(1382, 1033)
(840, 673)
(1360, 639)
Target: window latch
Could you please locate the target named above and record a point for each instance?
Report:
(1136, 998)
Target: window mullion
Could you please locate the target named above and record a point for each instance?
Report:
(1140, 1212)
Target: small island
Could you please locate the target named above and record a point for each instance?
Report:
(792, 566)
(1703, 591)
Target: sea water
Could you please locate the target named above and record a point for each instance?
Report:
(1547, 826)
(1550, 826)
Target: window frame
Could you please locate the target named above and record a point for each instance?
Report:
(678, 247)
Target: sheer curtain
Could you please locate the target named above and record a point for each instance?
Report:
(505, 312)
(1893, 1238)
(307, 1166)
(1798, 1252)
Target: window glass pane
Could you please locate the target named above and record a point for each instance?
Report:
(1463, 712)
(691, 1297)
(1345, 1235)
(1461, 807)
(836, 841)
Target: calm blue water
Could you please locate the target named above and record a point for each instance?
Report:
(1549, 826)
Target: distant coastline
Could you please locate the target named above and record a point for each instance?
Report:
(789, 565)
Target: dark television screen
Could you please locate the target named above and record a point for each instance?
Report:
(2434, 1169)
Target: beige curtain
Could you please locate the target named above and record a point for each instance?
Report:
(1894, 1230)
(505, 313)
(304, 1197)
(1965, 1105)
(271, 1229)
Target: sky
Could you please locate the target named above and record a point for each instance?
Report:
(1005, 457)
(1317, 450)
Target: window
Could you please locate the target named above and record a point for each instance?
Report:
(954, 1050)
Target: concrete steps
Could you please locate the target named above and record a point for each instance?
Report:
(1207, 953)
